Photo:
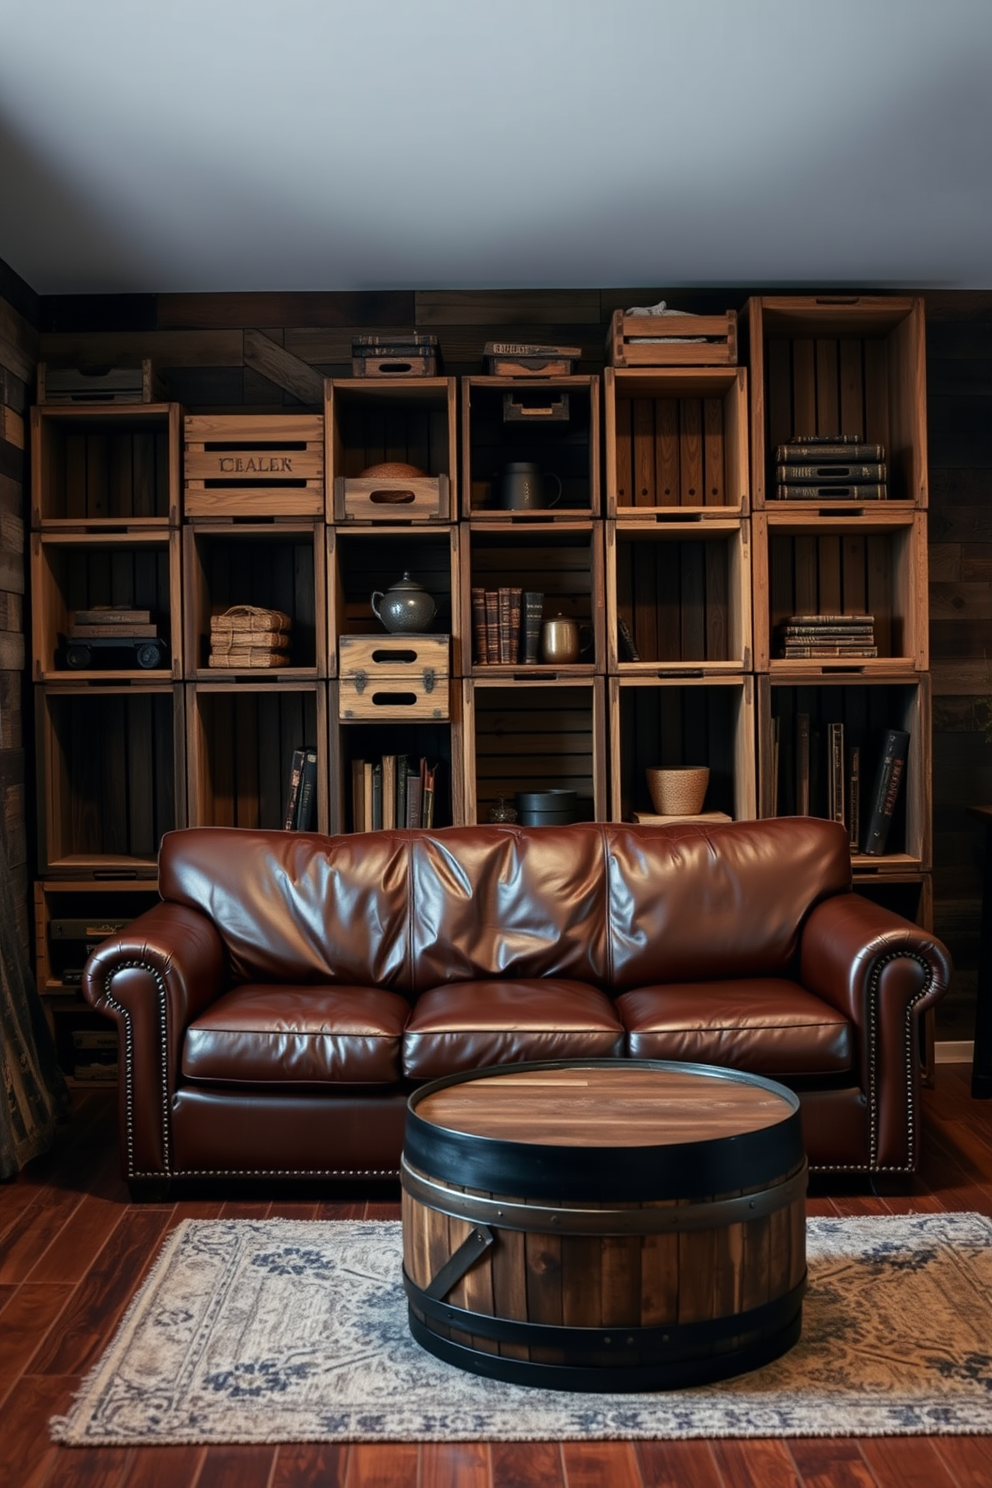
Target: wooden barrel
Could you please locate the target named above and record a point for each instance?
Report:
(606, 1224)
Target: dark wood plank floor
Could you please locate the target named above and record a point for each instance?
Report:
(73, 1250)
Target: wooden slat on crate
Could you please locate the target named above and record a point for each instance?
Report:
(394, 698)
(672, 340)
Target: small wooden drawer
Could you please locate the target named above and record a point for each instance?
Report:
(99, 384)
(263, 465)
(388, 698)
(395, 499)
(685, 340)
(394, 655)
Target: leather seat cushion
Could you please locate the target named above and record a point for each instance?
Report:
(768, 1025)
(313, 1035)
(467, 1025)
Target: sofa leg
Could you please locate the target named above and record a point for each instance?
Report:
(891, 1185)
(148, 1190)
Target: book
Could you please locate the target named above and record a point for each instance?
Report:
(516, 608)
(479, 626)
(414, 795)
(854, 796)
(533, 607)
(110, 615)
(652, 819)
(367, 795)
(802, 764)
(776, 761)
(625, 641)
(358, 795)
(377, 797)
(402, 772)
(819, 440)
(389, 791)
(292, 794)
(836, 473)
(798, 651)
(492, 626)
(528, 349)
(306, 805)
(835, 772)
(832, 448)
(503, 602)
(867, 492)
(428, 776)
(885, 791)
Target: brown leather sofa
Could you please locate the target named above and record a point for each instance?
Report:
(278, 1006)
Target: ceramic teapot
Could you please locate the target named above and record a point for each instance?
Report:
(406, 608)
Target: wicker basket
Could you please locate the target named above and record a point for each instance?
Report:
(678, 791)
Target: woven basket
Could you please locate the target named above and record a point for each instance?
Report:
(249, 656)
(247, 620)
(222, 641)
(678, 791)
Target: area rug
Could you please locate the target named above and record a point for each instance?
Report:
(287, 1330)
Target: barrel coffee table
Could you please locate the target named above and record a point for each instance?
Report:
(614, 1224)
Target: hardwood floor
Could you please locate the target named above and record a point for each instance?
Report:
(73, 1250)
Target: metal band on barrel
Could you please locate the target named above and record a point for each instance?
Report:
(670, 1219)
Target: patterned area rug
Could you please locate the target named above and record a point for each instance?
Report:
(285, 1330)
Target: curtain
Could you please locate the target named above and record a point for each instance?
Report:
(35, 1095)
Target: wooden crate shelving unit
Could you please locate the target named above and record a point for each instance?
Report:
(676, 442)
(376, 421)
(534, 735)
(252, 465)
(848, 364)
(109, 468)
(80, 570)
(439, 742)
(684, 592)
(570, 449)
(276, 566)
(240, 744)
(686, 721)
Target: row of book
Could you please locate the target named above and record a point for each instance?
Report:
(804, 636)
(830, 467)
(506, 625)
(394, 791)
(842, 767)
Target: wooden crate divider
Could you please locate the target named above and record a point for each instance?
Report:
(112, 468)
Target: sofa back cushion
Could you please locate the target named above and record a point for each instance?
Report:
(296, 907)
(508, 902)
(688, 904)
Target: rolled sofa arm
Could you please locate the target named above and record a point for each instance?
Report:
(881, 971)
(153, 979)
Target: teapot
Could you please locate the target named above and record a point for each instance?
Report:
(406, 608)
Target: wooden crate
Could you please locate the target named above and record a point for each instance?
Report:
(392, 696)
(831, 364)
(536, 735)
(79, 570)
(114, 468)
(111, 766)
(835, 562)
(88, 385)
(633, 340)
(394, 356)
(562, 561)
(361, 561)
(371, 659)
(866, 709)
(684, 593)
(240, 745)
(275, 566)
(676, 442)
(376, 421)
(568, 448)
(254, 465)
(684, 721)
(89, 905)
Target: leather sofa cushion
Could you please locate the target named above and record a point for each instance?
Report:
(767, 1025)
(467, 1025)
(277, 1035)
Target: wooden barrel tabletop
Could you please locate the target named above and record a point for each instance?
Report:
(610, 1128)
(612, 1104)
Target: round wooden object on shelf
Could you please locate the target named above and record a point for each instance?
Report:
(606, 1224)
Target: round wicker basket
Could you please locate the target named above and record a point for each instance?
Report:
(678, 791)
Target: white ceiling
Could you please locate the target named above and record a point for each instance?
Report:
(156, 145)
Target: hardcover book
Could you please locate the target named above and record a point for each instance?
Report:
(306, 805)
(885, 791)
(849, 492)
(831, 448)
(533, 607)
(292, 794)
(854, 796)
(836, 473)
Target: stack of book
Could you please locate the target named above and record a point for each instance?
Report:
(830, 467)
(804, 636)
(301, 798)
(506, 625)
(841, 800)
(395, 791)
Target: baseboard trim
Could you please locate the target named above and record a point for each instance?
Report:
(960, 1051)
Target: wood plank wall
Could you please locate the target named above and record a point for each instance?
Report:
(222, 352)
(18, 357)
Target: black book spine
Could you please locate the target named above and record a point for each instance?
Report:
(885, 791)
(533, 603)
(306, 807)
(293, 793)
